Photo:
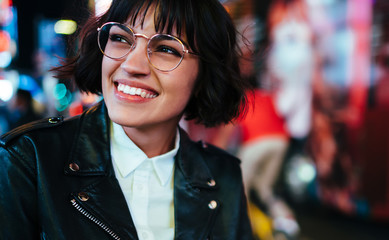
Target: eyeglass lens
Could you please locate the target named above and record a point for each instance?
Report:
(164, 52)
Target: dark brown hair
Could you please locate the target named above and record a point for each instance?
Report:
(219, 94)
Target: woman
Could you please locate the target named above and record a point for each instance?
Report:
(124, 169)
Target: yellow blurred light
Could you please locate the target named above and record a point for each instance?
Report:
(66, 27)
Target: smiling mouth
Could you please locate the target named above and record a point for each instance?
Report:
(133, 91)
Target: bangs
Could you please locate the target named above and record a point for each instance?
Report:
(169, 16)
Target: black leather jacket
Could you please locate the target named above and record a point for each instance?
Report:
(57, 182)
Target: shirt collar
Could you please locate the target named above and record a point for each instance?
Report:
(127, 156)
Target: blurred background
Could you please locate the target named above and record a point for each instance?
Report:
(320, 70)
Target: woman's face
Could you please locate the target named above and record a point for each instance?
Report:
(160, 97)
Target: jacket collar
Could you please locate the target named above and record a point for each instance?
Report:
(92, 156)
(195, 198)
(192, 163)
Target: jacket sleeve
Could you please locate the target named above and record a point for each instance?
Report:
(18, 195)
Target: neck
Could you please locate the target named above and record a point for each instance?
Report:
(153, 142)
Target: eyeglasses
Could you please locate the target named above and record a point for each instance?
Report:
(164, 52)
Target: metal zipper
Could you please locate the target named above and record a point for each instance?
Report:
(94, 219)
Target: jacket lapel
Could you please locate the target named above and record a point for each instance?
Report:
(106, 204)
(195, 200)
(195, 192)
(91, 145)
(99, 193)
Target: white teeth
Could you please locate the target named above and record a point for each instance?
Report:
(126, 89)
(121, 87)
(134, 91)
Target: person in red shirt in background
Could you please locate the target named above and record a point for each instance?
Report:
(264, 141)
(264, 144)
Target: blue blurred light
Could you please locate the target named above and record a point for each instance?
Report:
(29, 84)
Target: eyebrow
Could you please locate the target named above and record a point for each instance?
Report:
(129, 25)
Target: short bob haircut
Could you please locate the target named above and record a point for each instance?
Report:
(219, 95)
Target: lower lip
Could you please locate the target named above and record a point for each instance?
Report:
(130, 98)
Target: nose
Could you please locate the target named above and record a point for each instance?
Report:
(136, 61)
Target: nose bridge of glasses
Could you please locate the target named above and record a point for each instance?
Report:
(137, 45)
(141, 35)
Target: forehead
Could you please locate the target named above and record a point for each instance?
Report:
(155, 15)
(147, 19)
(166, 17)
(142, 20)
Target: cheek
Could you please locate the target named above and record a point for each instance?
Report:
(105, 68)
(186, 81)
(186, 87)
(108, 67)
(188, 74)
(104, 77)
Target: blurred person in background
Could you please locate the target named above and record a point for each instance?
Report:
(262, 145)
(4, 114)
(21, 109)
(291, 65)
(83, 102)
(264, 142)
(124, 169)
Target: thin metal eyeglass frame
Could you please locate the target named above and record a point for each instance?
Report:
(136, 35)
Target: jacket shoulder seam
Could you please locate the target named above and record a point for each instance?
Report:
(29, 127)
(216, 151)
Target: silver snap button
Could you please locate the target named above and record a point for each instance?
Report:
(211, 183)
(83, 196)
(54, 120)
(74, 167)
(212, 204)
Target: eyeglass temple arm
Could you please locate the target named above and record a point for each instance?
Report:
(187, 51)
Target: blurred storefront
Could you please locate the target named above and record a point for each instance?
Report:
(336, 53)
(34, 36)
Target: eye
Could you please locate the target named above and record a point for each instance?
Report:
(168, 50)
(119, 39)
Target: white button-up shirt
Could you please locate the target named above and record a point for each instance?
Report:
(147, 184)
